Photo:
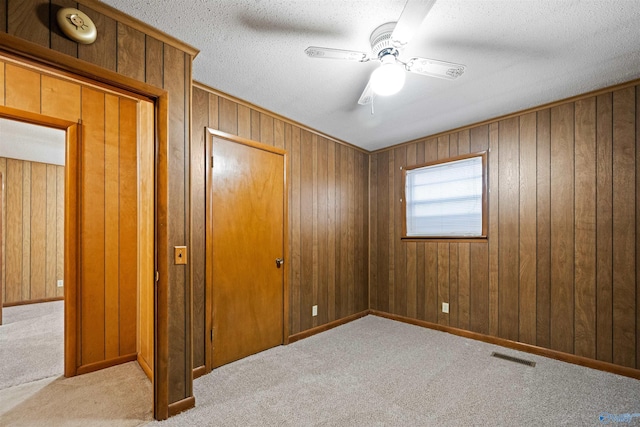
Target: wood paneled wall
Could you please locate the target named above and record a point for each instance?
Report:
(136, 51)
(559, 269)
(328, 220)
(32, 230)
(108, 261)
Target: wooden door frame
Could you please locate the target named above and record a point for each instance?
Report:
(73, 135)
(209, 134)
(30, 52)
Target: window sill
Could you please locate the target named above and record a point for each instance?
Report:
(480, 239)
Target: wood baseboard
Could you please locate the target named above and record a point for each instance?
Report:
(527, 348)
(322, 328)
(92, 367)
(181, 405)
(32, 301)
(199, 371)
(145, 367)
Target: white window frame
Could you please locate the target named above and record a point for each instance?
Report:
(408, 208)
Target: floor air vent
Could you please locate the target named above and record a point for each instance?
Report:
(513, 359)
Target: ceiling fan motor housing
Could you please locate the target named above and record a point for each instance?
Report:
(381, 40)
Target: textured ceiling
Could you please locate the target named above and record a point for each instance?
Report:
(518, 54)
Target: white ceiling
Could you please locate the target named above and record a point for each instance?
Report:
(34, 143)
(518, 54)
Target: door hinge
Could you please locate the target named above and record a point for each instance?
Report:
(212, 335)
(211, 162)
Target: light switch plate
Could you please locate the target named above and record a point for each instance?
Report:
(314, 310)
(180, 255)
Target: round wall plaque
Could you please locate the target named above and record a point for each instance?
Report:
(77, 25)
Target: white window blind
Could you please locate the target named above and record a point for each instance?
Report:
(445, 200)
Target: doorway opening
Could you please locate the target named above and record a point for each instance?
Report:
(32, 159)
(108, 214)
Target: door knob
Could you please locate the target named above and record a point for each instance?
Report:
(279, 262)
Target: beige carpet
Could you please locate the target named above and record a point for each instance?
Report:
(378, 372)
(34, 393)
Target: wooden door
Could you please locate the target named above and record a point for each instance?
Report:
(247, 202)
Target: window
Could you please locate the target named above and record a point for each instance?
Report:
(447, 199)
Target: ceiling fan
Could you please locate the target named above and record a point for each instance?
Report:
(387, 43)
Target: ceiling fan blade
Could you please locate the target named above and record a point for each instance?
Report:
(412, 16)
(367, 95)
(435, 68)
(326, 52)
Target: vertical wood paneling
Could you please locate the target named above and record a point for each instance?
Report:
(228, 116)
(3, 15)
(13, 206)
(391, 227)
(59, 229)
(411, 285)
(154, 61)
(38, 233)
(255, 125)
(92, 256)
(400, 278)
(38, 219)
(128, 228)
(624, 241)
(494, 237)
(560, 266)
(244, 121)
(21, 22)
(479, 254)
(462, 300)
(350, 252)
(543, 244)
(143, 57)
(315, 271)
(176, 82)
(383, 231)
(373, 232)
(51, 229)
(22, 88)
(278, 133)
(332, 221)
(27, 185)
(60, 42)
(295, 234)
(104, 51)
(585, 228)
(321, 213)
(509, 201)
(60, 98)
(562, 228)
(420, 250)
(342, 297)
(200, 120)
(527, 222)
(131, 43)
(306, 230)
(443, 251)
(112, 227)
(432, 303)
(266, 129)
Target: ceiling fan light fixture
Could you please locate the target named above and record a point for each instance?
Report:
(389, 78)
